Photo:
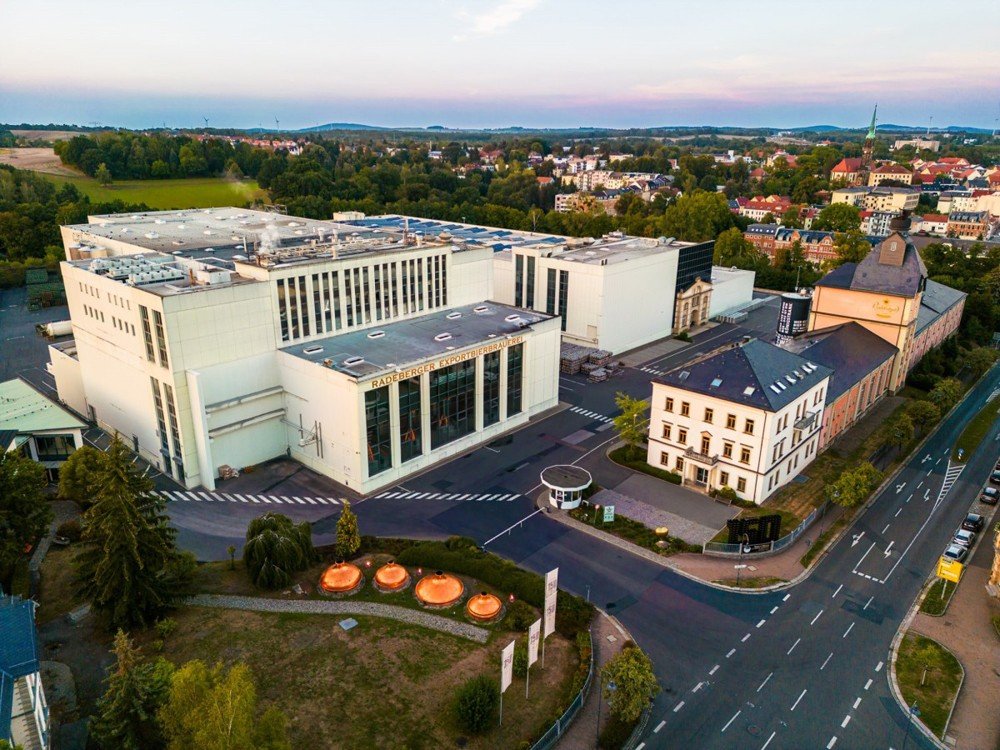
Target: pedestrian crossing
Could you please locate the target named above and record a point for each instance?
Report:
(652, 370)
(592, 414)
(950, 477)
(222, 497)
(496, 497)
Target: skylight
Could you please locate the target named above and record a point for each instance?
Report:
(717, 382)
(748, 391)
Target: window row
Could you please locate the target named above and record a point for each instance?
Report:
(708, 415)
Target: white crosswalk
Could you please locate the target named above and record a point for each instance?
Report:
(950, 477)
(496, 497)
(223, 497)
(592, 414)
(651, 370)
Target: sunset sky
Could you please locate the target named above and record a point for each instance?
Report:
(492, 63)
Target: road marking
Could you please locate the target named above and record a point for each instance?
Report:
(868, 684)
(659, 726)
(900, 487)
(731, 652)
(793, 647)
(713, 670)
(909, 497)
(764, 682)
(878, 667)
(927, 494)
(858, 563)
(885, 529)
(921, 484)
(832, 596)
(827, 660)
(849, 628)
(732, 720)
(640, 746)
(845, 722)
(857, 538)
(889, 547)
(774, 609)
(697, 687)
(857, 702)
(768, 740)
(678, 707)
(870, 600)
(798, 699)
(759, 624)
(507, 530)
(831, 743)
(785, 599)
(930, 471)
(817, 617)
(898, 511)
(744, 638)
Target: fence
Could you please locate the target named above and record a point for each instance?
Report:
(720, 549)
(551, 737)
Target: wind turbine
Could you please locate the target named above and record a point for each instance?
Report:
(277, 126)
(206, 122)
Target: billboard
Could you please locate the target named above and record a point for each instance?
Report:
(551, 595)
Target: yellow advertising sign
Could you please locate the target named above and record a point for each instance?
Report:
(950, 570)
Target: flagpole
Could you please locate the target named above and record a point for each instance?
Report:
(501, 709)
(527, 680)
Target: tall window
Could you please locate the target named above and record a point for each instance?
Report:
(515, 355)
(453, 402)
(147, 333)
(318, 304)
(410, 445)
(303, 305)
(161, 338)
(161, 423)
(518, 280)
(530, 302)
(377, 426)
(491, 388)
(563, 296)
(175, 430)
(550, 291)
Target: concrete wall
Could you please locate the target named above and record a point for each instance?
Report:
(65, 370)
(730, 288)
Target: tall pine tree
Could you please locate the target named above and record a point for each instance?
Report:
(126, 717)
(129, 568)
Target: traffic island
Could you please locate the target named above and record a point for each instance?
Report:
(929, 677)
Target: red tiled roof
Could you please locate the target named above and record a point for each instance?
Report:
(848, 165)
(936, 217)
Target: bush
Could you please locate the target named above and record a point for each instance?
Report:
(584, 649)
(520, 615)
(615, 733)
(476, 704)
(70, 529)
(166, 627)
(621, 456)
(461, 555)
(521, 660)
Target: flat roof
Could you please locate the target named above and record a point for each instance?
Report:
(164, 275)
(400, 344)
(25, 410)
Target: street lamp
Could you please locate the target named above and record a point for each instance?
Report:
(612, 687)
(914, 711)
(745, 539)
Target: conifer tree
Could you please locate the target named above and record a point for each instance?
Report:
(348, 536)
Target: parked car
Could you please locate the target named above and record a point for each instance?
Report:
(989, 496)
(964, 537)
(973, 522)
(956, 552)
(995, 477)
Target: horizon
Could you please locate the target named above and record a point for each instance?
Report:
(492, 64)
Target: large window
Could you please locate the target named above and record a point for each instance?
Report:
(550, 291)
(491, 388)
(377, 425)
(410, 445)
(147, 333)
(563, 295)
(530, 303)
(453, 402)
(515, 355)
(175, 430)
(161, 423)
(161, 338)
(518, 280)
(54, 447)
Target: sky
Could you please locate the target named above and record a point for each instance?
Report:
(497, 63)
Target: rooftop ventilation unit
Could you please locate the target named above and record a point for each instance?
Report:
(354, 361)
(453, 315)
(310, 350)
(512, 318)
(443, 337)
(480, 309)
(684, 375)
(376, 334)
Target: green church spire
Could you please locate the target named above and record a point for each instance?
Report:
(871, 128)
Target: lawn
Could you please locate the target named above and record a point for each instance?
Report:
(633, 531)
(938, 596)
(975, 431)
(943, 677)
(57, 590)
(196, 192)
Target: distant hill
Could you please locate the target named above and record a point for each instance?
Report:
(341, 126)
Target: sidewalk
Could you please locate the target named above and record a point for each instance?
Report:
(583, 732)
(965, 630)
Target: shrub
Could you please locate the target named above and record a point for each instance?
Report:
(276, 548)
(615, 733)
(520, 615)
(632, 671)
(166, 627)
(461, 555)
(70, 529)
(476, 704)
(583, 648)
(521, 660)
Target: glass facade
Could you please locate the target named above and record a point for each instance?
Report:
(410, 445)
(54, 447)
(452, 402)
(491, 388)
(161, 338)
(515, 355)
(550, 291)
(377, 426)
(530, 303)
(147, 333)
(694, 262)
(161, 424)
(518, 281)
(563, 296)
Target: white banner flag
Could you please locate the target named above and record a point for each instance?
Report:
(533, 637)
(551, 594)
(507, 667)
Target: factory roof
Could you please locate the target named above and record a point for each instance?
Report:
(396, 346)
(25, 410)
(891, 267)
(164, 275)
(754, 373)
(936, 300)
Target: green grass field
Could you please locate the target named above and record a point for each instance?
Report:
(196, 192)
(975, 431)
(941, 682)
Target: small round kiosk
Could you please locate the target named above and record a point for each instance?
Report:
(566, 485)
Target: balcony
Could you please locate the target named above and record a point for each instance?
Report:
(692, 455)
(807, 422)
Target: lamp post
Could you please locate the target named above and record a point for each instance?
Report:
(914, 711)
(739, 568)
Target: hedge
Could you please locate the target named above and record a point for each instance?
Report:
(462, 555)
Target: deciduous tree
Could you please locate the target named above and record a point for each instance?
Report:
(632, 425)
(854, 485)
(78, 475)
(635, 683)
(923, 414)
(24, 514)
(276, 548)
(838, 217)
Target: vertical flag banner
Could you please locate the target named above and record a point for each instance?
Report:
(507, 667)
(533, 637)
(551, 594)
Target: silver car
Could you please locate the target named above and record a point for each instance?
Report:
(964, 537)
(956, 552)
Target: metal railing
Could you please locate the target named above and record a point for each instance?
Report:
(722, 549)
(552, 735)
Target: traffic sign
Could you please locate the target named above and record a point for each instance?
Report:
(609, 513)
(950, 570)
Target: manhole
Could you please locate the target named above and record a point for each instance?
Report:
(754, 730)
